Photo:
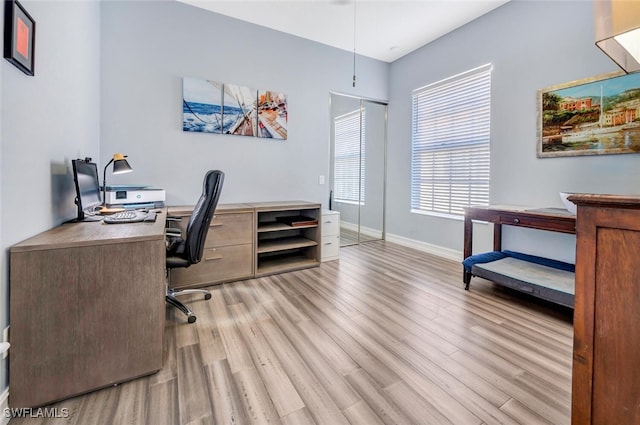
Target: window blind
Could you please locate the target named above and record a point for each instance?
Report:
(450, 153)
(349, 157)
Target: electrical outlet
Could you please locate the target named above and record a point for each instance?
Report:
(321, 180)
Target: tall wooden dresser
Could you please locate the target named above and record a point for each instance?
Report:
(606, 350)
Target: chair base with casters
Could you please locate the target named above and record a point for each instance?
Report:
(170, 296)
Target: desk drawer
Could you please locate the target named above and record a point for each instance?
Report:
(555, 225)
(230, 229)
(221, 264)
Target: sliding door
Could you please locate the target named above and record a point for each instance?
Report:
(358, 153)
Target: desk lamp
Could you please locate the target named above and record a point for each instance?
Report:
(120, 166)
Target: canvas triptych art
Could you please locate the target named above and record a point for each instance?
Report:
(213, 107)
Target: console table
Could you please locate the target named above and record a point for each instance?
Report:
(551, 219)
(87, 309)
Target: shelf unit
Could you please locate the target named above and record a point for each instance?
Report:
(281, 247)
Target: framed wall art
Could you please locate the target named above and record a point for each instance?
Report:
(201, 105)
(223, 108)
(273, 117)
(240, 113)
(594, 116)
(19, 37)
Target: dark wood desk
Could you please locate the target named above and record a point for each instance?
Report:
(551, 219)
(86, 309)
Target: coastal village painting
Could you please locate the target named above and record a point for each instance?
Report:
(596, 116)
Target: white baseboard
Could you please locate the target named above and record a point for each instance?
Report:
(440, 251)
(4, 404)
(366, 231)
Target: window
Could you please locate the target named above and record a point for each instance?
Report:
(450, 144)
(349, 158)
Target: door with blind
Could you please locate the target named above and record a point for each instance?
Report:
(358, 154)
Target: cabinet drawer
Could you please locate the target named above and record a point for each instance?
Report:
(218, 265)
(330, 224)
(230, 229)
(330, 247)
(566, 225)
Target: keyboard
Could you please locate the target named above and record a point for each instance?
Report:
(130, 217)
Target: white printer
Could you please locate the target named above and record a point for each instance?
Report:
(131, 196)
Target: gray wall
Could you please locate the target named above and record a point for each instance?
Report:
(46, 121)
(532, 45)
(147, 47)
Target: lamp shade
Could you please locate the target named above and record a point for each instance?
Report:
(617, 30)
(120, 164)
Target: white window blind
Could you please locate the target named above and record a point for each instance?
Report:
(349, 158)
(450, 143)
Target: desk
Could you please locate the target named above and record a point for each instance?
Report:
(87, 309)
(552, 219)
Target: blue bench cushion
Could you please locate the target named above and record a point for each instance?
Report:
(488, 257)
(485, 257)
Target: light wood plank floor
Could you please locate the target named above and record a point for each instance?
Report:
(385, 335)
(350, 237)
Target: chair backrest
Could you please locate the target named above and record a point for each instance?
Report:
(202, 215)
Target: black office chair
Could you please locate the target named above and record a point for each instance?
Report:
(185, 252)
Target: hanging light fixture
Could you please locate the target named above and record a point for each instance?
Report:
(617, 30)
(354, 43)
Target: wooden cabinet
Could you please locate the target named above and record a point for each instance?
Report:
(330, 235)
(248, 240)
(228, 250)
(282, 246)
(606, 351)
(87, 309)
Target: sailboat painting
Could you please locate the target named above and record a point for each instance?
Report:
(594, 116)
(201, 105)
(272, 115)
(240, 110)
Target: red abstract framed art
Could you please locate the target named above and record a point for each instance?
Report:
(19, 37)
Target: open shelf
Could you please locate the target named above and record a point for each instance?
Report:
(281, 244)
(284, 262)
(282, 247)
(274, 226)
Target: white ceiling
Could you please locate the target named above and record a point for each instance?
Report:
(385, 29)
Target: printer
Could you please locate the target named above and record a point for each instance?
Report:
(132, 197)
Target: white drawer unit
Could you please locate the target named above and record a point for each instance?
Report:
(330, 235)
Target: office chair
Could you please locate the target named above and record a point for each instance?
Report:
(185, 252)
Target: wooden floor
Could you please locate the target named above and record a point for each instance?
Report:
(350, 237)
(385, 335)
